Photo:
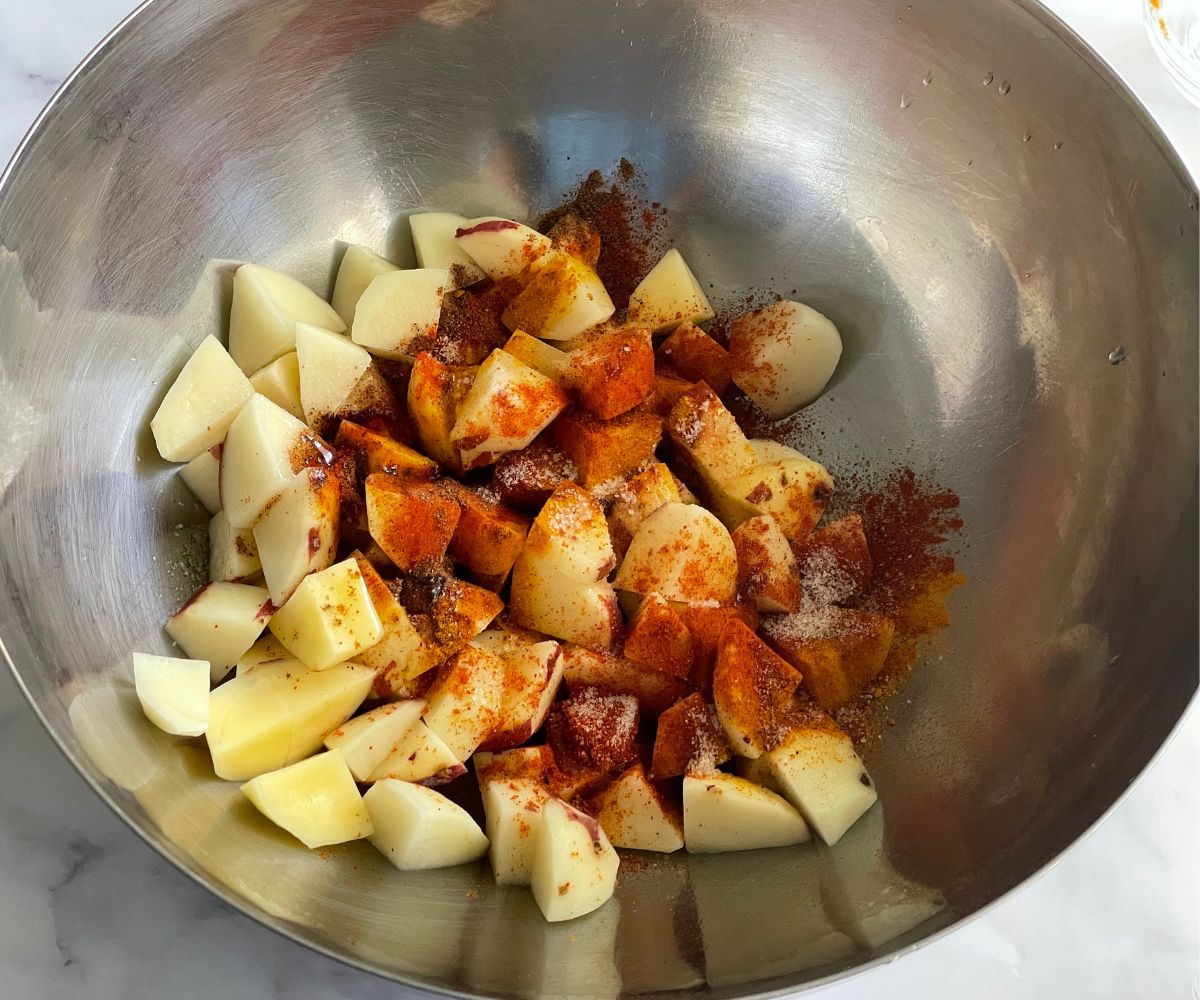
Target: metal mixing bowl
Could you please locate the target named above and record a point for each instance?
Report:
(983, 209)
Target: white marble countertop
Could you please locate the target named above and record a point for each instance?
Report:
(88, 911)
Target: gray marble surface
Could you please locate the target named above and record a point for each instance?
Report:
(88, 911)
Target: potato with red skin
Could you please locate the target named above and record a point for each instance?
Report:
(612, 373)
(532, 673)
(526, 478)
(638, 499)
(594, 730)
(754, 691)
(659, 640)
(655, 692)
(696, 356)
(689, 740)
(606, 450)
(768, 573)
(835, 562)
(412, 522)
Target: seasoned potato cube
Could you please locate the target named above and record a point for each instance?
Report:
(688, 740)
(613, 373)
(604, 450)
(404, 651)
(682, 552)
(435, 246)
(638, 499)
(298, 533)
(669, 295)
(508, 405)
(501, 247)
(571, 535)
(655, 692)
(435, 392)
(550, 361)
(669, 386)
(561, 299)
(526, 478)
(381, 453)
(794, 489)
(709, 436)
(330, 617)
(697, 357)
(753, 690)
(767, 570)
(636, 815)
(411, 521)
(838, 650)
(706, 623)
(463, 705)
(659, 640)
(488, 538)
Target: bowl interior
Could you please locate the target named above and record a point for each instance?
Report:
(978, 205)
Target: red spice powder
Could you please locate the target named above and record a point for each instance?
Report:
(632, 232)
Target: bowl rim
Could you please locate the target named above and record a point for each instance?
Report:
(1110, 77)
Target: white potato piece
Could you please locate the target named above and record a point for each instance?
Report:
(783, 355)
(417, 828)
(501, 247)
(722, 812)
(266, 307)
(278, 713)
(330, 367)
(463, 703)
(547, 601)
(570, 536)
(402, 652)
(768, 572)
(561, 299)
(706, 432)
(298, 533)
(419, 755)
(220, 622)
(202, 475)
(266, 650)
(329, 618)
(232, 554)
(574, 865)
(508, 405)
(683, 553)
(316, 801)
(173, 692)
(794, 491)
(366, 741)
(265, 448)
(435, 246)
(532, 674)
(398, 309)
(818, 771)
(201, 404)
(280, 383)
(359, 267)
(635, 815)
(668, 296)
(550, 361)
(510, 810)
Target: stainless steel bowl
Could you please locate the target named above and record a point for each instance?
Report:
(984, 210)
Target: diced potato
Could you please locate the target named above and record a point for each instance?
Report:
(571, 535)
(561, 606)
(706, 623)
(574, 865)
(316, 801)
(697, 357)
(329, 618)
(501, 247)
(767, 570)
(794, 490)
(722, 812)
(173, 692)
(510, 807)
(265, 650)
(202, 475)
(488, 538)
(298, 534)
(508, 405)
(550, 361)
(709, 436)
(330, 367)
(232, 554)
(366, 741)
(669, 295)
(403, 652)
(783, 355)
(435, 246)
(457, 611)
(266, 307)
(594, 734)
(638, 499)
(532, 673)
(201, 404)
(359, 267)
(669, 386)
(526, 478)
(280, 383)
(606, 451)
(220, 622)
(435, 392)
(659, 640)
(381, 453)
(682, 552)
(265, 448)
(688, 740)
(397, 316)
(613, 373)
(419, 755)
(839, 651)
(753, 690)
(635, 814)
(561, 299)
(417, 828)
(591, 668)
(411, 521)
(276, 714)
(463, 705)
(835, 562)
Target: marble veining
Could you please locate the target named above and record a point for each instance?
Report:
(90, 912)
